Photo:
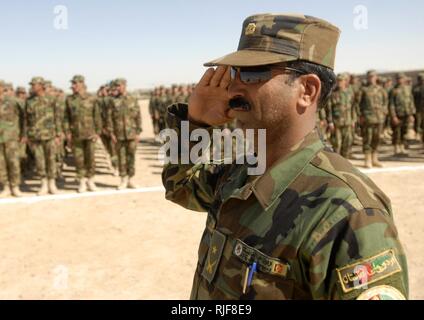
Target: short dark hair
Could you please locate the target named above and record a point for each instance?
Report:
(326, 75)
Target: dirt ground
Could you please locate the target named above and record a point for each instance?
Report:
(136, 245)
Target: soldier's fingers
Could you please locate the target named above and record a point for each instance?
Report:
(219, 73)
(226, 79)
(206, 78)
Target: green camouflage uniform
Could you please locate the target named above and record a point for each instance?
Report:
(418, 92)
(313, 225)
(165, 99)
(401, 106)
(340, 112)
(154, 112)
(61, 152)
(311, 222)
(373, 109)
(84, 122)
(43, 125)
(103, 105)
(125, 123)
(11, 131)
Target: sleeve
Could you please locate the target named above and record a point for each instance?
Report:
(360, 105)
(385, 101)
(97, 117)
(25, 119)
(138, 118)
(109, 121)
(413, 105)
(190, 185)
(392, 103)
(357, 95)
(20, 108)
(67, 118)
(356, 257)
(58, 117)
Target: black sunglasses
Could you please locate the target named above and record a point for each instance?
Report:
(250, 75)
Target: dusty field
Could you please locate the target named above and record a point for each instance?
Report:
(122, 245)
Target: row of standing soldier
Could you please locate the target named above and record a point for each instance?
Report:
(373, 111)
(162, 97)
(43, 123)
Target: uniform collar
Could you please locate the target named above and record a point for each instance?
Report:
(268, 187)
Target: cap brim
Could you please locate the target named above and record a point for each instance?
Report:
(249, 58)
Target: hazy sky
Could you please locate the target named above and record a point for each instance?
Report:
(164, 42)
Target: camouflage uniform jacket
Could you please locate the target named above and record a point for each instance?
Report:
(103, 105)
(309, 222)
(418, 93)
(11, 120)
(340, 108)
(181, 98)
(61, 110)
(401, 101)
(153, 104)
(124, 119)
(373, 102)
(82, 116)
(42, 119)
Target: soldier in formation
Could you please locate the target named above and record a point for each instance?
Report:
(44, 126)
(161, 98)
(124, 126)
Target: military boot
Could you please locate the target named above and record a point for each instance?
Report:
(375, 161)
(16, 192)
(124, 183)
(5, 192)
(397, 149)
(368, 160)
(52, 186)
(402, 149)
(44, 189)
(82, 185)
(132, 184)
(91, 185)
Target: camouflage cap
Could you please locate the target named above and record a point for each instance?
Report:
(35, 80)
(421, 76)
(20, 90)
(119, 81)
(343, 76)
(78, 78)
(400, 75)
(47, 83)
(372, 73)
(275, 38)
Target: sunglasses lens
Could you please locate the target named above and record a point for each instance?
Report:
(233, 73)
(255, 76)
(251, 75)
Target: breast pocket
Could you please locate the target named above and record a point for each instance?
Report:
(237, 280)
(8, 113)
(31, 115)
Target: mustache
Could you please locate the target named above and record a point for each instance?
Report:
(239, 103)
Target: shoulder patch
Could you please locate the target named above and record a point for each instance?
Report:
(367, 271)
(381, 293)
